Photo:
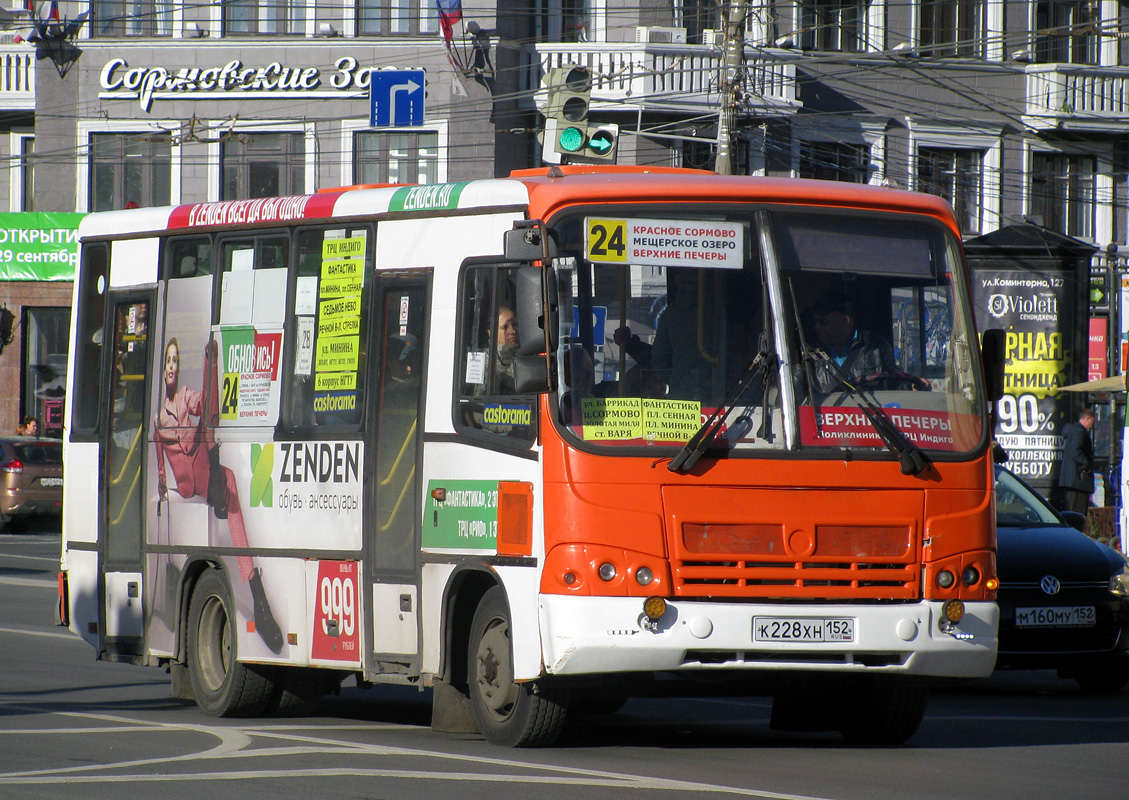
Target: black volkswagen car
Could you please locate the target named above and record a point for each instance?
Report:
(1063, 597)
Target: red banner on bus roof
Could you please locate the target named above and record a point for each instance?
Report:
(251, 212)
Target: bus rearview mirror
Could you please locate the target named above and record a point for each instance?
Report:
(536, 329)
(992, 356)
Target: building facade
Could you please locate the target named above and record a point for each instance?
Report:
(1012, 111)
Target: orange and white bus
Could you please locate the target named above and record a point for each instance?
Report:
(572, 436)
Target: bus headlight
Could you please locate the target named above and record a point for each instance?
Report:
(606, 571)
(644, 576)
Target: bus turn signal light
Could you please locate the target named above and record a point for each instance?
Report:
(654, 608)
(953, 610)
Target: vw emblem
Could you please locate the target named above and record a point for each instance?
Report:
(1050, 584)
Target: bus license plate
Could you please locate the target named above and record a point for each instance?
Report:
(803, 629)
(1055, 617)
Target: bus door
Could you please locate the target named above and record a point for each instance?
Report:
(393, 503)
(122, 501)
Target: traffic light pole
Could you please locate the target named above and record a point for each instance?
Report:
(732, 76)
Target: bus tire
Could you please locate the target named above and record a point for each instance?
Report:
(508, 713)
(882, 713)
(223, 687)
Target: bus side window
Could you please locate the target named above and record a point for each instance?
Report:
(92, 284)
(327, 317)
(486, 398)
(189, 258)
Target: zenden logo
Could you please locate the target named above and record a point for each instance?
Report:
(262, 466)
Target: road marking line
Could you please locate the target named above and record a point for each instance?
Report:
(49, 634)
(38, 583)
(235, 741)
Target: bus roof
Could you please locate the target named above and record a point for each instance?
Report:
(543, 191)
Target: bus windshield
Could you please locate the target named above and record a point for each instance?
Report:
(791, 327)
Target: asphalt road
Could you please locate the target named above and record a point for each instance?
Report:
(71, 727)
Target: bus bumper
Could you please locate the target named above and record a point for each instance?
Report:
(593, 635)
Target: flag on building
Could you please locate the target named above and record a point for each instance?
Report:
(450, 12)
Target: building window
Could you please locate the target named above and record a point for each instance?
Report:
(397, 16)
(46, 334)
(952, 28)
(699, 16)
(838, 25)
(1067, 32)
(129, 170)
(956, 176)
(563, 20)
(396, 157)
(116, 18)
(1062, 193)
(27, 173)
(263, 165)
(265, 17)
(834, 161)
(702, 154)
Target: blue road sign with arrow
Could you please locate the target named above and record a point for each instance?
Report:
(396, 98)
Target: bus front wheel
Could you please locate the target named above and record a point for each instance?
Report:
(881, 713)
(508, 713)
(223, 687)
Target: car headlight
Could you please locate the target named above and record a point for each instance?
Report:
(1119, 583)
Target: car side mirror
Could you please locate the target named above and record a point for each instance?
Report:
(1074, 520)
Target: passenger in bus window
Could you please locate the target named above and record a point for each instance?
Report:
(193, 456)
(505, 351)
(857, 353)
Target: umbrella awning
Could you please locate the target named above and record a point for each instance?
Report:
(1115, 383)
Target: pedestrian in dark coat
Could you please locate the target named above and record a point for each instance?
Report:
(1076, 478)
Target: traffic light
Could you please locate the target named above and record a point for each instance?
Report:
(583, 143)
(568, 132)
(570, 92)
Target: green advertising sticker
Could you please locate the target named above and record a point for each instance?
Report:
(38, 246)
(427, 198)
(467, 519)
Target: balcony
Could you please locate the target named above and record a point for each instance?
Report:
(653, 77)
(17, 78)
(1077, 96)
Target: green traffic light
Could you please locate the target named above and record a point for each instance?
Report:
(571, 139)
(601, 143)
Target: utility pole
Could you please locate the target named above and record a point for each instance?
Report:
(732, 75)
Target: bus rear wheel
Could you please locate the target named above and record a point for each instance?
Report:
(223, 687)
(508, 713)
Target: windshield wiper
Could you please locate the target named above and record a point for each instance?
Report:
(910, 456)
(688, 456)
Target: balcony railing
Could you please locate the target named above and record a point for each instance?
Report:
(664, 77)
(1064, 95)
(17, 77)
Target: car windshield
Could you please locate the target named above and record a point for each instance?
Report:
(1018, 506)
(797, 324)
